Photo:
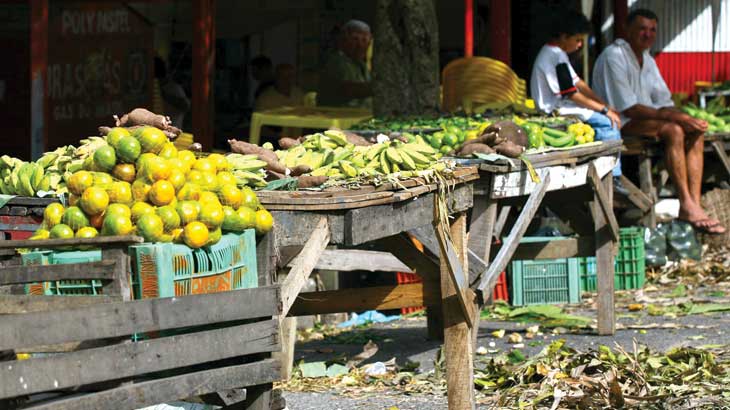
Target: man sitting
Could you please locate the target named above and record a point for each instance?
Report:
(345, 81)
(627, 77)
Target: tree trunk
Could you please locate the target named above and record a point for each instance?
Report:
(406, 58)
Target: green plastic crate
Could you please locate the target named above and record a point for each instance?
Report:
(164, 269)
(630, 267)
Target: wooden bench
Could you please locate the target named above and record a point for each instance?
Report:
(649, 148)
(207, 345)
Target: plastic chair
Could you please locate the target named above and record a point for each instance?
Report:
(480, 80)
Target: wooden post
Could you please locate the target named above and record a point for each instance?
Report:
(620, 12)
(605, 251)
(203, 104)
(647, 186)
(484, 215)
(120, 285)
(468, 28)
(38, 77)
(501, 30)
(457, 334)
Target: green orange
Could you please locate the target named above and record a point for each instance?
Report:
(120, 192)
(211, 214)
(188, 211)
(168, 151)
(52, 215)
(264, 221)
(61, 231)
(105, 157)
(87, 232)
(152, 140)
(169, 216)
(195, 234)
(94, 200)
(229, 194)
(140, 209)
(140, 190)
(248, 217)
(79, 181)
(161, 193)
(124, 172)
(118, 209)
(150, 226)
(115, 134)
(128, 150)
(75, 218)
(116, 225)
(250, 199)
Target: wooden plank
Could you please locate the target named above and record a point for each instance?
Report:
(303, 265)
(457, 333)
(418, 262)
(126, 318)
(28, 274)
(719, 148)
(426, 235)
(555, 249)
(131, 359)
(297, 198)
(574, 155)
(491, 275)
(362, 299)
(267, 259)
(74, 242)
(368, 224)
(14, 304)
(605, 250)
(501, 221)
(457, 275)
(331, 207)
(638, 198)
(561, 177)
(138, 395)
(603, 200)
(293, 228)
(484, 215)
(647, 186)
(347, 260)
(31, 201)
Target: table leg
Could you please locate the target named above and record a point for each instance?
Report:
(484, 215)
(457, 334)
(605, 252)
(647, 185)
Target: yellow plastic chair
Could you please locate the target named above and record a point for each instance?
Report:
(480, 80)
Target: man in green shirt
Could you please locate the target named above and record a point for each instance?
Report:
(345, 80)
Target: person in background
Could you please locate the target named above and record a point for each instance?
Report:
(555, 86)
(175, 102)
(345, 80)
(628, 78)
(262, 70)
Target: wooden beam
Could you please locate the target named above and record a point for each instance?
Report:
(78, 271)
(457, 274)
(555, 249)
(491, 275)
(603, 200)
(719, 148)
(458, 348)
(346, 260)
(362, 299)
(403, 248)
(203, 98)
(138, 316)
(501, 222)
(74, 242)
(38, 78)
(605, 250)
(131, 359)
(638, 198)
(303, 265)
(484, 215)
(138, 395)
(14, 304)
(647, 186)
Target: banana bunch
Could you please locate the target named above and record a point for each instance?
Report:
(330, 154)
(88, 146)
(18, 177)
(248, 169)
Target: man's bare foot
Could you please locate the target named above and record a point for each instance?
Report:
(698, 218)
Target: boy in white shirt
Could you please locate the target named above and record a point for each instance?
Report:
(555, 86)
(627, 77)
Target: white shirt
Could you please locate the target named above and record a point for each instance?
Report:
(618, 79)
(545, 88)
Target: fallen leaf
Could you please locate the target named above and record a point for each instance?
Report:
(312, 370)
(635, 307)
(498, 333)
(515, 338)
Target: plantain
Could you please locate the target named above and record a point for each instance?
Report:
(37, 175)
(384, 165)
(47, 159)
(337, 136)
(421, 148)
(321, 171)
(373, 151)
(416, 156)
(348, 169)
(408, 162)
(393, 156)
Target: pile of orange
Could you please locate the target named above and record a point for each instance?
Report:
(141, 184)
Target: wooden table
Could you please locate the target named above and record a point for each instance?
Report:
(379, 217)
(647, 149)
(569, 180)
(306, 117)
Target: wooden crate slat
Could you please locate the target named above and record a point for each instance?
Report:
(134, 396)
(14, 304)
(132, 359)
(103, 270)
(126, 318)
(72, 242)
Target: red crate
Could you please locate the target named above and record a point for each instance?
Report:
(500, 290)
(404, 278)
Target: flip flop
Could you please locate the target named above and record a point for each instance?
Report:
(709, 228)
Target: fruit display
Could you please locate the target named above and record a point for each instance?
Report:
(716, 115)
(138, 183)
(330, 156)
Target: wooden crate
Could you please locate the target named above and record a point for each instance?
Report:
(223, 355)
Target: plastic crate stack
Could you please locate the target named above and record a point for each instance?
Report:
(164, 269)
(555, 281)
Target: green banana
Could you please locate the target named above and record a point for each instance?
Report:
(47, 159)
(417, 157)
(337, 136)
(384, 166)
(393, 156)
(374, 150)
(348, 169)
(408, 162)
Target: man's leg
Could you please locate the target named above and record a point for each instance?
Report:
(695, 146)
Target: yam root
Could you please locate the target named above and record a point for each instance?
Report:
(263, 154)
(357, 140)
(510, 149)
(141, 116)
(300, 170)
(274, 176)
(309, 181)
(490, 139)
(509, 131)
(286, 142)
(470, 149)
